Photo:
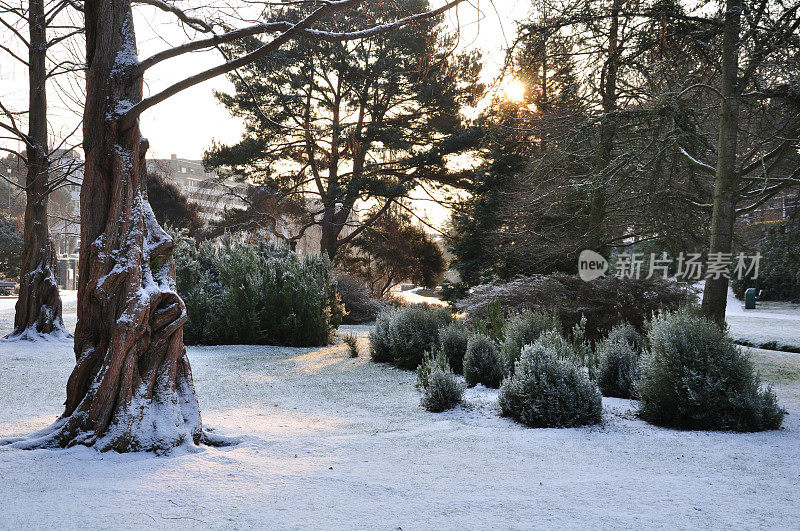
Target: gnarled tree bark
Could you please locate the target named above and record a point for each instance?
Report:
(38, 309)
(131, 388)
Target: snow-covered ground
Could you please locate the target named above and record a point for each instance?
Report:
(69, 303)
(776, 322)
(330, 441)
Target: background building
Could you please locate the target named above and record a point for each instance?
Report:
(207, 190)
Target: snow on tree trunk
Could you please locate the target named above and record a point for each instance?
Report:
(38, 309)
(131, 389)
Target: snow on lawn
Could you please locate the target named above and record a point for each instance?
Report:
(775, 322)
(69, 304)
(330, 441)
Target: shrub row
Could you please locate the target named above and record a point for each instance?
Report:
(604, 303)
(686, 372)
(244, 294)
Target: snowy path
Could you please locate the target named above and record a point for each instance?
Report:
(332, 442)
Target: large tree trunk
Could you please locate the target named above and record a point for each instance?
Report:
(38, 309)
(715, 296)
(131, 389)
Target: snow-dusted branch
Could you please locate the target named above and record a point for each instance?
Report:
(290, 31)
(211, 42)
(194, 23)
(700, 165)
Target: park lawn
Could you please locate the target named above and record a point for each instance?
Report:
(329, 441)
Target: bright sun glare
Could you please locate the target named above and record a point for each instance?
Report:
(514, 90)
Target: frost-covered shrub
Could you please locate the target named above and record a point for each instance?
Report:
(524, 328)
(430, 362)
(403, 336)
(380, 339)
(443, 391)
(259, 294)
(482, 363)
(695, 377)
(619, 357)
(604, 302)
(453, 340)
(619, 369)
(415, 330)
(628, 334)
(548, 392)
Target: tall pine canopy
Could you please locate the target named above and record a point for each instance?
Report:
(343, 124)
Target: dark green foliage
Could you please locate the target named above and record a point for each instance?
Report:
(475, 256)
(238, 294)
(619, 357)
(170, 206)
(402, 337)
(523, 328)
(695, 377)
(453, 344)
(548, 392)
(482, 363)
(604, 302)
(415, 330)
(11, 243)
(442, 392)
(779, 271)
(430, 361)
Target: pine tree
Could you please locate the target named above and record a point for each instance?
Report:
(336, 124)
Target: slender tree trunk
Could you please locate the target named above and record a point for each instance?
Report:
(715, 296)
(131, 389)
(608, 131)
(38, 309)
(328, 229)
